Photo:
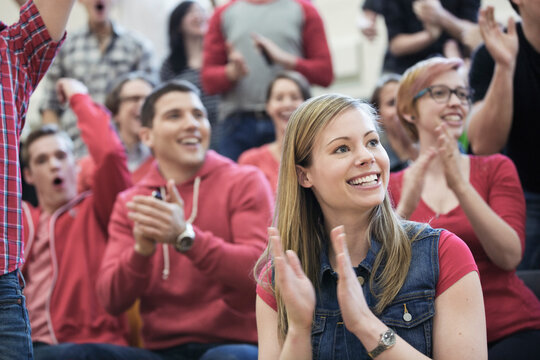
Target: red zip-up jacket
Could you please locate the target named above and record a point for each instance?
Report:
(78, 238)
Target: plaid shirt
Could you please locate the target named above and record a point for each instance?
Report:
(26, 52)
(81, 58)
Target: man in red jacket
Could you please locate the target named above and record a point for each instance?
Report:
(66, 237)
(187, 252)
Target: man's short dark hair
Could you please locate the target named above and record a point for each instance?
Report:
(45, 130)
(514, 6)
(148, 109)
(112, 101)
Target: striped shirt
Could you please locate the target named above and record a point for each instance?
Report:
(26, 52)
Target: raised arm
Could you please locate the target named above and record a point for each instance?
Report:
(55, 14)
(490, 120)
(112, 175)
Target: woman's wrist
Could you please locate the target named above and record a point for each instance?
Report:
(299, 332)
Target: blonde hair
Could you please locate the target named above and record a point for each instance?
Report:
(415, 79)
(299, 217)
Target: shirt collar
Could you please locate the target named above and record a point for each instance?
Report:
(366, 264)
(116, 29)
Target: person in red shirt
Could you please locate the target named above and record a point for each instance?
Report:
(240, 59)
(285, 93)
(27, 49)
(356, 280)
(66, 236)
(479, 198)
(184, 238)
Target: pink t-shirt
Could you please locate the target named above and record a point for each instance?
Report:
(455, 261)
(39, 280)
(262, 158)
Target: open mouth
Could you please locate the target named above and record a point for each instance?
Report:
(368, 180)
(100, 7)
(57, 181)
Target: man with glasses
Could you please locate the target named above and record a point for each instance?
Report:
(124, 102)
(505, 74)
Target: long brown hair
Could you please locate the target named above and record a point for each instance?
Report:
(299, 217)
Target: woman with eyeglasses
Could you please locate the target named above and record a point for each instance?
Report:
(479, 198)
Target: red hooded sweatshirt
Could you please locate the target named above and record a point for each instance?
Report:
(78, 238)
(206, 295)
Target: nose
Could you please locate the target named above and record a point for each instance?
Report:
(454, 100)
(54, 162)
(191, 122)
(364, 157)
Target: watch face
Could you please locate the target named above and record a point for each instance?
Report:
(388, 338)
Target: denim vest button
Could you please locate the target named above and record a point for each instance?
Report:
(361, 280)
(406, 314)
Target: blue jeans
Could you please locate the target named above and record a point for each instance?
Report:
(15, 339)
(210, 352)
(244, 130)
(69, 351)
(531, 257)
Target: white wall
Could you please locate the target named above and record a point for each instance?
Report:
(357, 62)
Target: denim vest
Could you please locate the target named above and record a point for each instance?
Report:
(410, 314)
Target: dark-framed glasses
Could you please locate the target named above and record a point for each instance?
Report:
(442, 93)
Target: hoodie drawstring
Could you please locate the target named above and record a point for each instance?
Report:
(194, 209)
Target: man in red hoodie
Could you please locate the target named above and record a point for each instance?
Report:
(187, 256)
(66, 236)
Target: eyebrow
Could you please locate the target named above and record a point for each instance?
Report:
(347, 137)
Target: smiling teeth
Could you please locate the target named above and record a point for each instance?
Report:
(452, 118)
(190, 141)
(366, 180)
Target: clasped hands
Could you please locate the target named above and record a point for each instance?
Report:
(156, 221)
(447, 151)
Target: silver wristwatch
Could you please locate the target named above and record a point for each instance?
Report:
(185, 240)
(387, 340)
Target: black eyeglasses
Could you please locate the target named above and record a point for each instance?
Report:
(442, 93)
